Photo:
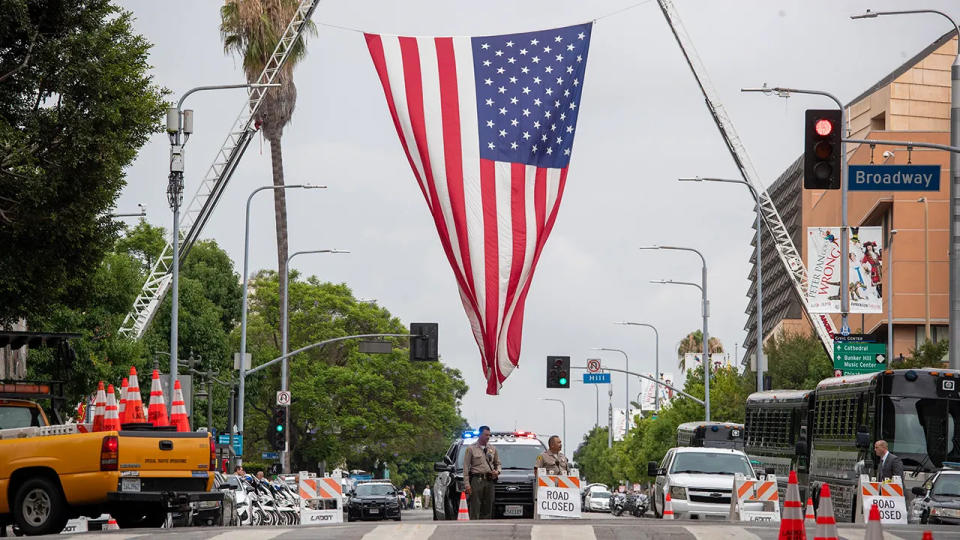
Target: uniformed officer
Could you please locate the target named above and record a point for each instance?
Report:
(481, 467)
(553, 459)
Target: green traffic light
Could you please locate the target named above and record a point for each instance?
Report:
(563, 380)
(279, 428)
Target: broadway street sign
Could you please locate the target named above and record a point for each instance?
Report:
(858, 353)
(894, 178)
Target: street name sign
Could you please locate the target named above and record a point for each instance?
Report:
(894, 178)
(270, 455)
(596, 378)
(237, 443)
(858, 353)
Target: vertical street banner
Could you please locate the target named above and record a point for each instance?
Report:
(487, 125)
(647, 393)
(865, 280)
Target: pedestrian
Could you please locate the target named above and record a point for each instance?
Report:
(553, 459)
(890, 465)
(481, 468)
(238, 470)
(427, 502)
(259, 475)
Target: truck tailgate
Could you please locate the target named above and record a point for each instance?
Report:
(164, 461)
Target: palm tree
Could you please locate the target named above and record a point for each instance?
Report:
(251, 29)
(693, 343)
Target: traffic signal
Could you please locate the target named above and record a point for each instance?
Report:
(558, 372)
(423, 344)
(821, 149)
(278, 435)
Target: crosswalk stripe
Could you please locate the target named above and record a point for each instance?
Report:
(562, 532)
(256, 534)
(858, 534)
(400, 532)
(703, 532)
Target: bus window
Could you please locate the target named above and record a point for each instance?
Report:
(916, 428)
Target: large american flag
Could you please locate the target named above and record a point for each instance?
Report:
(487, 124)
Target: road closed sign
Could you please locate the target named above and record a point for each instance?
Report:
(558, 496)
(888, 496)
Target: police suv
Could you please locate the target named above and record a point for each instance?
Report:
(514, 489)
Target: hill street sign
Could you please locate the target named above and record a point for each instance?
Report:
(894, 178)
(596, 378)
(858, 353)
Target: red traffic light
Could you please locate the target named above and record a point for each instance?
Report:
(823, 127)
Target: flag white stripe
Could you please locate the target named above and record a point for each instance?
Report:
(505, 252)
(553, 191)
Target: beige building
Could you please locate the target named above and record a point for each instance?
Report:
(910, 104)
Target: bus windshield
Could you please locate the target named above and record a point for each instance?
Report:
(916, 428)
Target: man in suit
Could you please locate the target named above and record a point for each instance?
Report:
(890, 465)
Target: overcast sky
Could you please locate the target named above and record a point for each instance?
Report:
(642, 124)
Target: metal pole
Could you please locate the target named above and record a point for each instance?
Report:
(596, 388)
(564, 409)
(889, 268)
(610, 415)
(926, 266)
(209, 401)
(626, 398)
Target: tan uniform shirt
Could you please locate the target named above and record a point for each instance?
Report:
(477, 462)
(553, 463)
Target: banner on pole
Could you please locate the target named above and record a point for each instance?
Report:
(866, 269)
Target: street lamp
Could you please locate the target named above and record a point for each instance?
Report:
(283, 364)
(626, 398)
(954, 270)
(243, 305)
(180, 124)
(656, 390)
(705, 308)
(564, 409)
(844, 226)
(759, 294)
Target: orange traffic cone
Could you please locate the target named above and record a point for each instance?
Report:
(810, 519)
(111, 417)
(112, 524)
(927, 535)
(123, 398)
(178, 411)
(99, 407)
(133, 413)
(463, 514)
(826, 523)
(874, 527)
(791, 523)
(667, 507)
(158, 407)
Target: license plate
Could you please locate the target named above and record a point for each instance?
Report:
(513, 510)
(373, 511)
(130, 485)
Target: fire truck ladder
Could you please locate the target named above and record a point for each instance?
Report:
(786, 249)
(201, 206)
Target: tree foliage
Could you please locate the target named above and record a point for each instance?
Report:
(76, 103)
(929, 354)
(797, 361)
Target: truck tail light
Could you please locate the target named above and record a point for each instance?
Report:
(213, 455)
(109, 453)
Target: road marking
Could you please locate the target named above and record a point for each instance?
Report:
(706, 532)
(858, 534)
(400, 532)
(258, 534)
(562, 532)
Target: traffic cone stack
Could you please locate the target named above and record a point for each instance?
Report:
(133, 413)
(99, 407)
(123, 397)
(826, 523)
(667, 507)
(158, 407)
(810, 519)
(463, 514)
(791, 523)
(178, 410)
(111, 417)
(874, 527)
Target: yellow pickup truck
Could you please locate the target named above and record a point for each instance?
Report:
(51, 473)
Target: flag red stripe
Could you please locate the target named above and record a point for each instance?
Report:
(491, 257)
(518, 177)
(453, 158)
(379, 61)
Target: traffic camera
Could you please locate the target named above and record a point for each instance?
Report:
(821, 150)
(558, 372)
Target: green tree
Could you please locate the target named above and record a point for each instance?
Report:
(595, 460)
(928, 354)
(76, 103)
(251, 29)
(797, 361)
(693, 343)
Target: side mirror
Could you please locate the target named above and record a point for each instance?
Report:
(652, 469)
(863, 440)
(442, 466)
(919, 491)
(769, 470)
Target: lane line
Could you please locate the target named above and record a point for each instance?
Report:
(562, 532)
(400, 532)
(706, 532)
(260, 533)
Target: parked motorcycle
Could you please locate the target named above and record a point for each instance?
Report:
(635, 504)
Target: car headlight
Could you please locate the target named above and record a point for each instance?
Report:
(945, 512)
(678, 492)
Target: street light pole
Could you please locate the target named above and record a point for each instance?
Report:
(705, 308)
(626, 398)
(954, 269)
(243, 305)
(285, 461)
(564, 409)
(656, 375)
(759, 295)
(844, 225)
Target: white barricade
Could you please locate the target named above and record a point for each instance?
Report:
(755, 500)
(558, 496)
(888, 496)
(321, 501)
(76, 525)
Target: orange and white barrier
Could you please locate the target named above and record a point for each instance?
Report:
(887, 495)
(755, 500)
(321, 501)
(558, 495)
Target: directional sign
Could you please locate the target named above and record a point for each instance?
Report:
(237, 443)
(593, 365)
(283, 398)
(596, 378)
(858, 353)
(270, 455)
(894, 178)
